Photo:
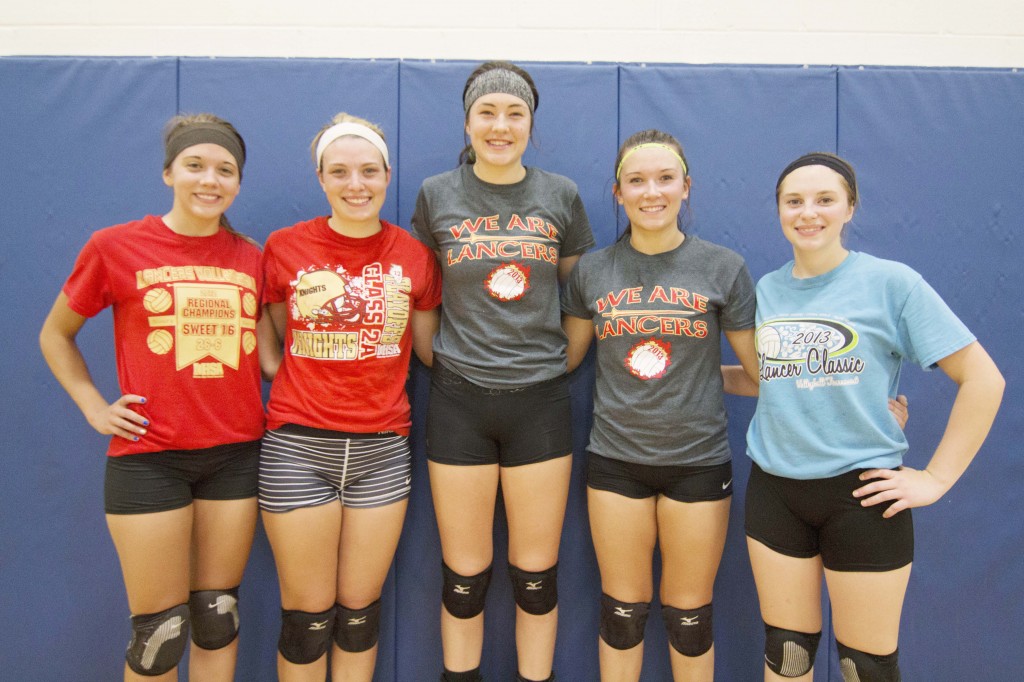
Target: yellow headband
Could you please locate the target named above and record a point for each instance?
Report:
(645, 145)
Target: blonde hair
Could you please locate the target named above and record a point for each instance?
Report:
(341, 117)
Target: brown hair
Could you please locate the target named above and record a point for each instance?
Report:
(467, 155)
(182, 123)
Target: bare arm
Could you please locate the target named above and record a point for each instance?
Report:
(977, 400)
(579, 333)
(425, 324)
(741, 379)
(268, 342)
(60, 349)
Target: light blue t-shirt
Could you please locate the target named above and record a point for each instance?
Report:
(829, 351)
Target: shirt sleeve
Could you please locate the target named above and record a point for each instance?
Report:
(739, 309)
(928, 330)
(421, 223)
(572, 296)
(88, 287)
(578, 237)
(274, 291)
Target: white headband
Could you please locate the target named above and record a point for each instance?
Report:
(349, 128)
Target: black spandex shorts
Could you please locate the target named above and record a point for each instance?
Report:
(821, 516)
(160, 481)
(640, 481)
(469, 424)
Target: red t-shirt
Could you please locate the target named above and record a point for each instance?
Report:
(185, 311)
(348, 341)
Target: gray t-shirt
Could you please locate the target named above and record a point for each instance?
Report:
(498, 246)
(658, 320)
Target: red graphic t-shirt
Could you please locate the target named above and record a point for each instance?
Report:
(348, 341)
(185, 311)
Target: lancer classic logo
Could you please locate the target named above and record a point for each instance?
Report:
(816, 352)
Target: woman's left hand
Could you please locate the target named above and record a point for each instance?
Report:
(904, 487)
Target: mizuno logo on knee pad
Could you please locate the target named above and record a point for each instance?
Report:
(538, 585)
(461, 589)
(357, 621)
(322, 625)
(625, 613)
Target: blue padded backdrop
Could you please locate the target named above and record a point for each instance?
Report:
(939, 154)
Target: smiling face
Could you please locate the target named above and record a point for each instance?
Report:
(814, 205)
(498, 126)
(354, 178)
(651, 188)
(206, 180)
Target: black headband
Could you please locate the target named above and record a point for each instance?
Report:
(201, 133)
(821, 159)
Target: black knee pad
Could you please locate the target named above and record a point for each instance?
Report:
(859, 666)
(623, 623)
(535, 593)
(304, 635)
(690, 631)
(463, 596)
(356, 630)
(158, 641)
(789, 653)
(214, 617)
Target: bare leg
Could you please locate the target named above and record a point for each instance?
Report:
(464, 498)
(535, 498)
(369, 538)
(866, 608)
(624, 532)
(789, 591)
(305, 543)
(222, 532)
(692, 537)
(154, 553)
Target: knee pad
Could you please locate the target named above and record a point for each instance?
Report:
(859, 666)
(520, 678)
(463, 596)
(789, 653)
(158, 641)
(356, 630)
(214, 616)
(535, 593)
(466, 676)
(304, 635)
(690, 631)
(623, 623)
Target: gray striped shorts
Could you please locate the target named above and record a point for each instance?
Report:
(301, 466)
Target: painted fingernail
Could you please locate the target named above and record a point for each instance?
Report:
(143, 400)
(145, 422)
(135, 437)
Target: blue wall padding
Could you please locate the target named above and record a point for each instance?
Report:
(940, 154)
(942, 165)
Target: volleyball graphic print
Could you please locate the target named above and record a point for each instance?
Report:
(815, 352)
(205, 315)
(508, 282)
(649, 359)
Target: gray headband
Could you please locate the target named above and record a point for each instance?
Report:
(202, 133)
(499, 80)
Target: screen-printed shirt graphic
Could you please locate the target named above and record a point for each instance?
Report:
(650, 316)
(208, 325)
(185, 311)
(657, 322)
(814, 351)
(341, 316)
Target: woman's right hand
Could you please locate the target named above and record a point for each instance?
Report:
(118, 419)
